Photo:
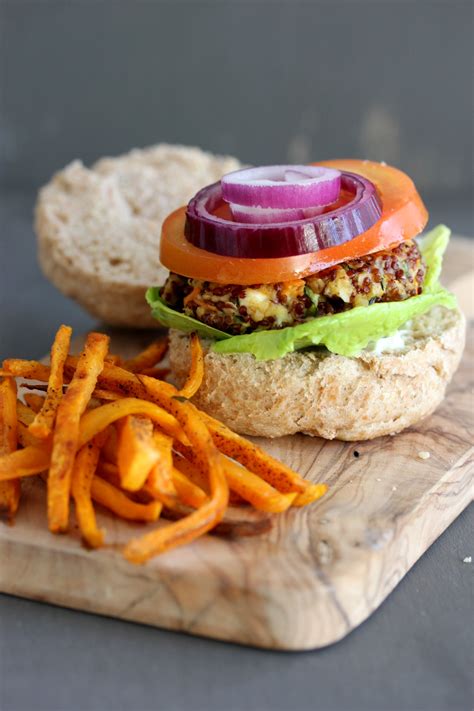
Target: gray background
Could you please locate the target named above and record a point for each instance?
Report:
(268, 82)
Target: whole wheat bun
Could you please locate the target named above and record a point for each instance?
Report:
(99, 229)
(328, 395)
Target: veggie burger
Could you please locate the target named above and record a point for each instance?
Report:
(318, 303)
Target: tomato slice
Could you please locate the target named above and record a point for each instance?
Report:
(403, 217)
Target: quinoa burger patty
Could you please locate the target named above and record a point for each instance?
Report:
(389, 275)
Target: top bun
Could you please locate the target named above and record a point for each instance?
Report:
(99, 229)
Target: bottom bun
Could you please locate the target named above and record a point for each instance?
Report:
(327, 395)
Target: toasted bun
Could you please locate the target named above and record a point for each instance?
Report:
(328, 395)
(99, 229)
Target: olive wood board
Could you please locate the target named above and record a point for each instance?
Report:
(310, 579)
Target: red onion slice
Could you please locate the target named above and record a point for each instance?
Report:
(282, 186)
(281, 239)
(268, 215)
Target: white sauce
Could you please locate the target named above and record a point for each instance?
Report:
(395, 342)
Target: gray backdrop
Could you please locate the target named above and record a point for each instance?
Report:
(267, 81)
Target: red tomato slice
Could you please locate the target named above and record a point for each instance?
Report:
(403, 217)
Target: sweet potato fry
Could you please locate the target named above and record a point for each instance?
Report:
(24, 413)
(246, 484)
(9, 490)
(188, 492)
(136, 453)
(274, 472)
(34, 370)
(29, 369)
(98, 419)
(195, 475)
(312, 493)
(184, 463)
(207, 516)
(160, 478)
(153, 354)
(136, 385)
(42, 425)
(158, 373)
(100, 394)
(25, 438)
(66, 432)
(25, 462)
(196, 372)
(113, 359)
(34, 401)
(109, 471)
(83, 473)
(8, 416)
(255, 490)
(109, 450)
(109, 496)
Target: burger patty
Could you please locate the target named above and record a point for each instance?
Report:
(391, 275)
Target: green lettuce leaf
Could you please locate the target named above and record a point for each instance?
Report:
(346, 333)
(432, 246)
(173, 319)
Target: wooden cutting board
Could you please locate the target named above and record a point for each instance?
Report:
(317, 573)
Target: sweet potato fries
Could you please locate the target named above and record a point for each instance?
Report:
(99, 429)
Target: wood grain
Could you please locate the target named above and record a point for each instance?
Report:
(317, 573)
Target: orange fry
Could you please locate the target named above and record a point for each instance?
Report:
(114, 359)
(24, 413)
(136, 385)
(42, 425)
(106, 494)
(312, 493)
(255, 490)
(197, 477)
(153, 354)
(34, 370)
(83, 472)
(98, 419)
(109, 450)
(243, 482)
(9, 490)
(188, 492)
(100, 394)
(207, 516)
(25, 462)
(186, 466)
(25, 438)
(66, 432)
(160, 479)
(109, 471)
(196, 372)
(29, 369)
(136, 453)
(34, 401)
(274, 472)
